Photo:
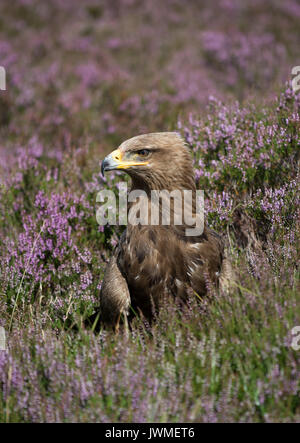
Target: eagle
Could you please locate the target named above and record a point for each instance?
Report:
(152, 262)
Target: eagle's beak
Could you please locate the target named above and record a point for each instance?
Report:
(115, 161)
(111, 161)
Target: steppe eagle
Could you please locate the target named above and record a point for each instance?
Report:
(155, 261)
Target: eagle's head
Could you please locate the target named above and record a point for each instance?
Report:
(158, 160)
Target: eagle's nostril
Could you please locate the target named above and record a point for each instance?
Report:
(116, 155)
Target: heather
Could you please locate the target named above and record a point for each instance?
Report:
(83, 76)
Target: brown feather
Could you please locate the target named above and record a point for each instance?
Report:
(153, 262)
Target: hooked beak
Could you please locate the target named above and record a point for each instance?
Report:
(115, 161)
(108, 164)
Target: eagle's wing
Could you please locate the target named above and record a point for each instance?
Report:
(204, 256)
(115, 297)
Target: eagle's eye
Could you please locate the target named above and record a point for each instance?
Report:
(143, 153)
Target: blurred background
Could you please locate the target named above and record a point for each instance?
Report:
(98, 71)
(82, 76)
